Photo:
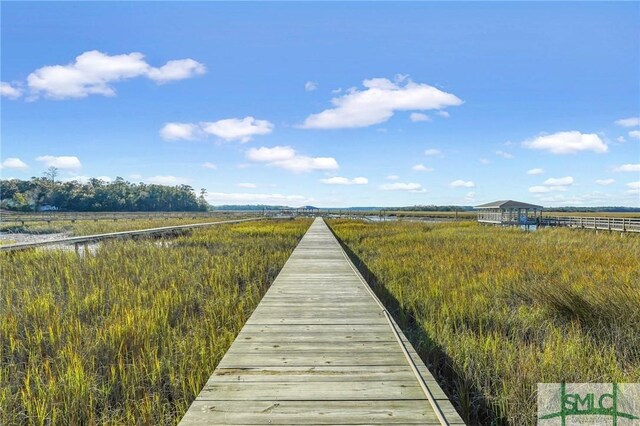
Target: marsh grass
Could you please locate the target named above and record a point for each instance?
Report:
(494, 311)
(129, 334)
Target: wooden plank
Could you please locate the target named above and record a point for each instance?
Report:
(314, 374)
(314, 391)
(364, 321)
(314, 328)
(241, 360)
(310, 412)
(317, 338)
(314, 346)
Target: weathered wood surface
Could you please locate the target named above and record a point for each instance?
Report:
(319, 349)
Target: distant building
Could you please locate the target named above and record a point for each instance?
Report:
(509, 212)
(47, 208)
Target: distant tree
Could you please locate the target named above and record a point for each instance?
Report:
(51, 173)
(97, 195)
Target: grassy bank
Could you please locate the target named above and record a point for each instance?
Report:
(130, 334)
(495, 311)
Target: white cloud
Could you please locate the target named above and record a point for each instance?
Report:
(135, 176)
(634, 134)
(168, 180)
(380, 99)
(244, 198)
(484, 161)
(503, 154)
(621, 139)
(401, 186)
(422, 168)
(544, 189)
(553, 185)
(310, 86)
(230, 129)
(269, 155)
(629, 122)
(593, 198)
(634, 188)
(237, 129)
(176, 70)
(104, 178)
(13, 163)
(287, 158)
(337, 180)
(177, 131)
(9, 91)
(418, 116)
(94, 72)
(208, 165)
(605, 182)
(563, 181)
(536, 171)
(444, 114)
(567, 143)
(393, 177)
(432, 152)
(462, 184)
(247, 185)
(62, 162)
(628, 168)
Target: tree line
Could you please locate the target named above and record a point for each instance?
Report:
(97, 195)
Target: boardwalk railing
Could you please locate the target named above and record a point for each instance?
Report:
(623, 224)
(85, 239)
(9, 217)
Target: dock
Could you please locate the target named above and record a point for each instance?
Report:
(320, 348)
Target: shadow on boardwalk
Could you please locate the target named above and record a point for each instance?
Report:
(467, 399)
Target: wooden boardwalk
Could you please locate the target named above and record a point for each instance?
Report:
(85, 239)
(320, 349)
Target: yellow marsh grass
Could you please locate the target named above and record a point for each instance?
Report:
(130, 334)
(495, 311)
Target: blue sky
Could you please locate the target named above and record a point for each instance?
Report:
(331, 104)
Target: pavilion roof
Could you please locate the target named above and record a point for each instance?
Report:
(508, 204)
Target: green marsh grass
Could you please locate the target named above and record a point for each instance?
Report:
(494, 311)
(129, 334)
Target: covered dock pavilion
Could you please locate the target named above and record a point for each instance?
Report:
(509, 213)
